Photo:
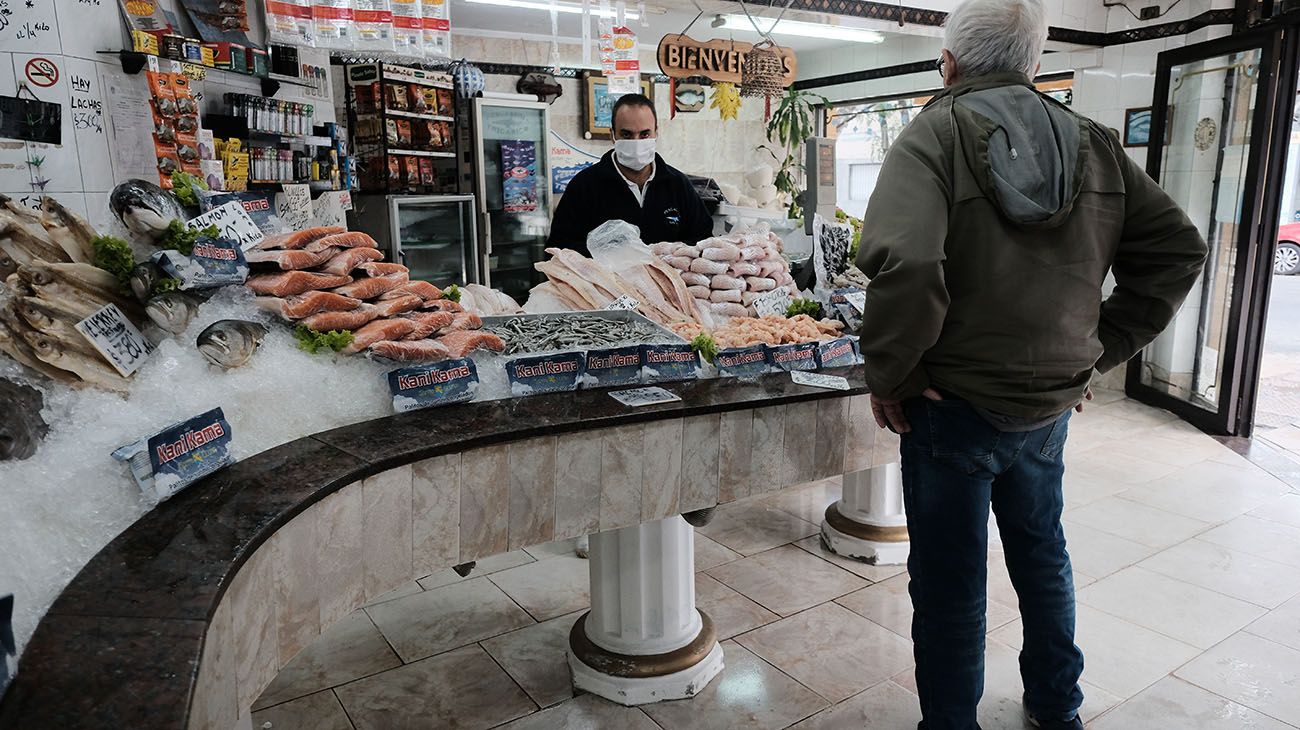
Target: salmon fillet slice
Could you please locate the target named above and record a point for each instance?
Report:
(462, 343)
(379, 330)
(371, 286)
(443, 305)
(429, 322)
(466, 321)
(379, 269)
(393, 307)
(423, 289)
(290, 260)
(298, 239)
(295, 282)
(355, 319)
(343, 261)
(349, 239)
(307, 304)
(416, 351)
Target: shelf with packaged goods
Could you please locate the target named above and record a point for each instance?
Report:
(408, 115)
(419, 153)
(389, 75)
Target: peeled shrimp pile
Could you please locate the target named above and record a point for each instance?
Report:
(726, 274)
(772, 330)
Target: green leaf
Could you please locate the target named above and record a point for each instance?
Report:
(314, 342)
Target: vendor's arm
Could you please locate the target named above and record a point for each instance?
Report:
(902, 251)
(572, 220)
(697, 224)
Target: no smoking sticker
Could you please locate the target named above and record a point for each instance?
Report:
(42, 72)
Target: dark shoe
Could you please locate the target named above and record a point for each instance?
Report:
(1075, 724)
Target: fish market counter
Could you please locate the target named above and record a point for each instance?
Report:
(183, 619)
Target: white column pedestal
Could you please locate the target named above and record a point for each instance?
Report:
(643, 639)
(868, 523)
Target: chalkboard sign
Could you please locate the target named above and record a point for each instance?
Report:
(31, 120)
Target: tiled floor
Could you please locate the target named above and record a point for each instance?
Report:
(1187, 563)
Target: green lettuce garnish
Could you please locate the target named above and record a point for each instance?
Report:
(314, 342)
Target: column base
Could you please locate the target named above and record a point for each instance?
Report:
(868, 543)
(641, 680)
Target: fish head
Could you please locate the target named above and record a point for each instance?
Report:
(35, 314)
(7, 265)
(144, 207)
(171, 311)
(143, 279)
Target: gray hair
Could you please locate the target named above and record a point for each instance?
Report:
(996, 36)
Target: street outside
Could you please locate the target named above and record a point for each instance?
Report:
(1277, 412)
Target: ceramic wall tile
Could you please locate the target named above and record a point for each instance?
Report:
(768, 455)
(216, 701)
(735, 472)
(532, 492)
(435, 514)
(297, 586)
(701, 447)
(253, 620)
(484, 502)
(800, 449)
(339, 561)
(860, 435)
(386, 538)
(577, 485)
(622, 457)
(55, 166)
(832, 424)
(662, 473)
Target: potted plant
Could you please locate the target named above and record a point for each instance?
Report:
(791, 123)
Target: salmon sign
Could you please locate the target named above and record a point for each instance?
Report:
(681, 57)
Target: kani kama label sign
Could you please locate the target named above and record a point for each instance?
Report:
(721, 60)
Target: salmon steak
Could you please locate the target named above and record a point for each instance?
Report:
(343, 261)
(379, 330)
(415, 351)
(355, 319)
(349, 239)
(426, 291)
(295, 282)
(443, 305)
(291, 260)
(307, 304)
(392, 307)
(298, 239)
(466, 321)
(463, 342)
(371, 286)
(373, 268)
(429, 322)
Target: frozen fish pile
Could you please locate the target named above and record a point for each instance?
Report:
(331, 280)
(728, 273)
(574, 332)
(580, 283)
(772, 330)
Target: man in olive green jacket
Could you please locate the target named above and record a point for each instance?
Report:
(996, 218)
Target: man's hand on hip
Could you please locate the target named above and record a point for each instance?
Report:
(889, 413)
(1087, 396)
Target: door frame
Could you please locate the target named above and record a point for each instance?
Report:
(1239, 374)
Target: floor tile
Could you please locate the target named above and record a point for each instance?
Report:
(1285, 509)
(749, 527)
(349, 649)
(1264, 538)
(808, 502)
(1120, 657)
(1189, 613)
(553, 549)
(815, 546)
(1230, 572)
(883, 707)
(1209, 492)
(536, 657)
(444, 618)
(709, 554)
(483, 567)
(1115, 462)
(585, 712)
(730, 612)
(1282, 624)
(462, 689)
(1255, 672)
(1136, 413)
(888, 604)
(830, 650)
(1098, 553)
(548, 588)
(750, 694)
(1137, 522)
(787, 580)
(320, 711)
(1172, 704)
(405, 589)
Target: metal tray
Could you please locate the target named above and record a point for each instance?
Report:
(627, 316)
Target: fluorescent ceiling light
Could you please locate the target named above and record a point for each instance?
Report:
(559, 7)
(800, 28)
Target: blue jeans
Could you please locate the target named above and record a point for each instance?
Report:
(955, 465)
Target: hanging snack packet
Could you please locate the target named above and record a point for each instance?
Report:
(437, 28)
(332, 23)
(373, 21)
(289, 22)
(164, 125)
(408, 28)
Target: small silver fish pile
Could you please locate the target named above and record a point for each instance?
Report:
(45, 259)
(229, 343)
(573, 332)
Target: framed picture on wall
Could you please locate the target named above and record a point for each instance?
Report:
(598, 105)
(1137, 126)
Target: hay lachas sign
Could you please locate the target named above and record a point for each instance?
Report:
(681, 56)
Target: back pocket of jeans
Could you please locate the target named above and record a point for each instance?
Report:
(960, 437)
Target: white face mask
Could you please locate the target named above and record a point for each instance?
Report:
(634, 154)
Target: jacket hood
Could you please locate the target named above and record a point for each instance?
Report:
(1027, 149)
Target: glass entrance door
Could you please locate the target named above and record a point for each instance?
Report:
(1211, 130)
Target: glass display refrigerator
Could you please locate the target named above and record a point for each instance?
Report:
(508, 170)
(432, 235)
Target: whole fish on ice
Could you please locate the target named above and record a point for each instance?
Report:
(173, 310)
(144, 208)
(229, 343)
(21, 425)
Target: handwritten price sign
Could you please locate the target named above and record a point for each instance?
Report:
(233, 222)
(113, 335)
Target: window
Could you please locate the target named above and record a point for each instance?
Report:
(862, 179)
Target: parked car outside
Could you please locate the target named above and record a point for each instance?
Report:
(1286, 258)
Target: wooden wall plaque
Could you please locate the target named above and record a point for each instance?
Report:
(681, 56)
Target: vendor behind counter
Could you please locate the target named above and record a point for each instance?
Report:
(631, 183)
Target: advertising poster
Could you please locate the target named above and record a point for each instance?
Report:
(519, 173)
(567, 161)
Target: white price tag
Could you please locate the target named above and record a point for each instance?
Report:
(622, 303)
(113, 335)
(233, 222)
(858, 299)
(817, 380)
(328, 210)
(772, 303)
(293, 206)
(644, 396)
